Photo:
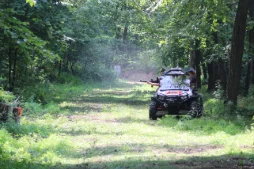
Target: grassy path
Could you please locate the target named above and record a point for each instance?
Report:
(109, 128)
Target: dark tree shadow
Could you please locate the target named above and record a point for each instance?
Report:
(236, 161)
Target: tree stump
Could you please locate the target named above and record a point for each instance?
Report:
(17, 112)
(4, 111)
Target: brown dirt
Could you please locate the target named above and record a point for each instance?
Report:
(194, 150)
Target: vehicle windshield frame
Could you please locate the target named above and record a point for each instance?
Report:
(171, 82)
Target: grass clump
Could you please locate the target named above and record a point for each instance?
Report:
(213, 107)
(203, 125)
(31, 151)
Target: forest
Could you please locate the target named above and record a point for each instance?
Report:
(62, 105)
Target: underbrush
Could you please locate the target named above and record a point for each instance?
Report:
(31, 151)
(245, 104)
(6, 96)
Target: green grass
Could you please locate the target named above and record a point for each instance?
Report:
(107, 127)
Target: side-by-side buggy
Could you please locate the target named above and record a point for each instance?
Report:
(176, 95)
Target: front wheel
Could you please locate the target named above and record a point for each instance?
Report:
(193, 112)
(196, 108)
(152, 111)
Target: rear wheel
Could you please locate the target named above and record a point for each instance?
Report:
(152, 111)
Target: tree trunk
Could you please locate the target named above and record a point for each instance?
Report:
(247, 79)
(252, 71)
(125, 38)
(66, 63)
(197, 67)
(14, 68)
(251, 9)
(222, 74)
(204, 69)
(211, 82)
(216, 74)
(211, 67)
(72, 71)
(125, 33)
(192, 61)
(235, 60)
(59, 67)
(10, 68)
(251, 38)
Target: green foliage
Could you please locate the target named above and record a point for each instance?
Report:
(219, 93)
(52, 109)
(245, 106)
(204, 125)
(179, 33)
(6, 96)
(32, 108)
(35, 152)
(214, 107)
(27, 129)
(66, 78)
(31, 2)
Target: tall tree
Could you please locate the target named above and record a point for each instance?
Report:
(251, 38)
(235, 60)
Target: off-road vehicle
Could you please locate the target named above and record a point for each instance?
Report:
(175, 96)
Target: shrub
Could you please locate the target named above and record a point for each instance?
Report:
(52, 109)
(33, 108)
(66, 78)
(6, 96)
(214, 107)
